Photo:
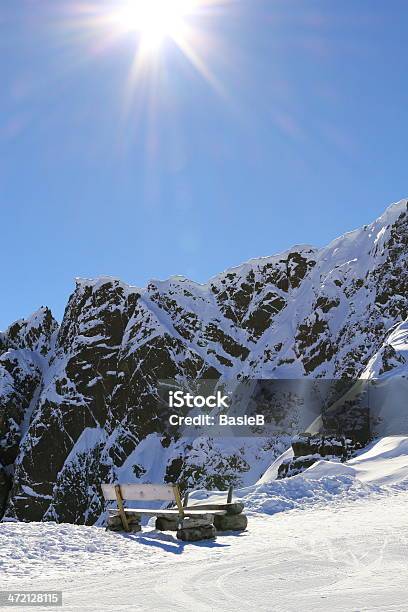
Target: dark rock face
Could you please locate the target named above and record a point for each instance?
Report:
(79, 402)
(307, 449)
(21, 377)
(5, 485)
(23, 362)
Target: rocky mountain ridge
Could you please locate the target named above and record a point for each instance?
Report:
(78, 401)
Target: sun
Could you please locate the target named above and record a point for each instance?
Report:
(154, 20)
(140, 27)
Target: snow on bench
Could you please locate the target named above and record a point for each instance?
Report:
(199, 518)
(152, 492)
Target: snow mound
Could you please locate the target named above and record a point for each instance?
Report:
(381, 466)
(301, 492)
(383, 462)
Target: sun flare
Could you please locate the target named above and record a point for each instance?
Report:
(160, 38)
(154, 20)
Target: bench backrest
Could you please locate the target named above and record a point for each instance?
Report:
(135, 492)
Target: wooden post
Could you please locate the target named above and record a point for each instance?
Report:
(121, 509)
(185, 500)
(177, 497)
(229, 496)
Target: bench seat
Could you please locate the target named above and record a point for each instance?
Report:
(169, 512)
(229, 508)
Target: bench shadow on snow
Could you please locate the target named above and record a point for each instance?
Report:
(171, 544)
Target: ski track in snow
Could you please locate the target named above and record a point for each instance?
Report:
(348, 555)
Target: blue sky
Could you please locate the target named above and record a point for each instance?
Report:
(302, 137)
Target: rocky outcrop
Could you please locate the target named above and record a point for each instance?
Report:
(24, 363)
(308, 448)
(79, 402)
(5, 486)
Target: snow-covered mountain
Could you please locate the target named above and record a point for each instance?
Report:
(78, 402)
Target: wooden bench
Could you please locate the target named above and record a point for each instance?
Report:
(194, 522)
(122, 493)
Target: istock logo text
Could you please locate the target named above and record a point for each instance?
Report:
(178, 399)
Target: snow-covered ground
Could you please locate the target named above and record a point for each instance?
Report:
(333, 538)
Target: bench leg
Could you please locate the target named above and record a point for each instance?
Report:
(133, 520)
(194, 529)
(121, 509)
(195, 534)
(230, 522)
(167, 524)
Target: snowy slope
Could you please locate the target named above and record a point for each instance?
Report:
(314, 547)
(351, 557)
(382, 466)
(384, 462)
(86, 408)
